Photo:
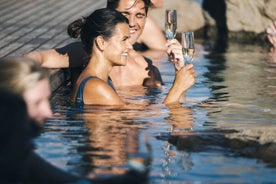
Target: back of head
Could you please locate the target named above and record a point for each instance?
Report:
(14, 121)
(101, 22)
(18, 74)
(113, 4)
(15, 141)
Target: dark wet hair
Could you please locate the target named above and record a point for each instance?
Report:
(113, 4)
(100, 22)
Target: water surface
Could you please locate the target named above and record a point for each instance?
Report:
(193, 142)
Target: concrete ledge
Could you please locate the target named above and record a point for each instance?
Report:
(58, 77)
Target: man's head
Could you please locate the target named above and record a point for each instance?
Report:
(114, 4)
(135, 11)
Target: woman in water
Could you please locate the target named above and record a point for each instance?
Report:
(105, 35)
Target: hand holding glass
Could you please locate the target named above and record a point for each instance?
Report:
(170, 24)
(188, 46)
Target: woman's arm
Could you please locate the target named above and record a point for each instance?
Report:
(71, 55)
(184, 79)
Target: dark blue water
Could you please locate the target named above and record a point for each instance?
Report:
(219, 135)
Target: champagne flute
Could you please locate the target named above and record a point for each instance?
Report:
(188, 46)
(170, 23)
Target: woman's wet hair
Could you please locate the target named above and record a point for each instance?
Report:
(113, 4)
(101, 22)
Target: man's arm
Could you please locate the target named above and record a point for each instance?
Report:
(71, 55)
(49, 58)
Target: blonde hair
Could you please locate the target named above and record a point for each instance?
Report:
(18, 74)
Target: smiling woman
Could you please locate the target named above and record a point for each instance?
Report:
(105, 35)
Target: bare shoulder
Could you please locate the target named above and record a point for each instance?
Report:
(153, 36)
(96, 83)
(98, 92)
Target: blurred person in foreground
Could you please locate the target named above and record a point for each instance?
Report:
(23, 109)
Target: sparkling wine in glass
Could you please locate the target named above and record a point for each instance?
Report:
(170, 23)
(188, 46)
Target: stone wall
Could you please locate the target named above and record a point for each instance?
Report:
(251, 15)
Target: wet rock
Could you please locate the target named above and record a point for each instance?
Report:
(255, 143)
(262, 135)
(243, 21)
(250, 16)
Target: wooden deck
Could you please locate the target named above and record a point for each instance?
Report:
(27, 25)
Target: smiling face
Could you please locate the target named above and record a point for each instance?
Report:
(118, 45)
(135, 12)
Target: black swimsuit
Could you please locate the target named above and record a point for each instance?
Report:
(79, 97)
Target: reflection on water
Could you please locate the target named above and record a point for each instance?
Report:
(234, 93)
(243, 87)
